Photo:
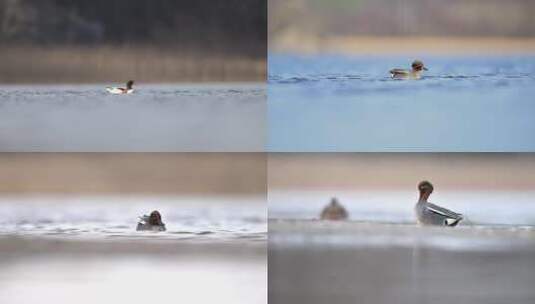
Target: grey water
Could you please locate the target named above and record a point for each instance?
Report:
(349, 103)
(213, 117)
(380, 254)
(347, 262)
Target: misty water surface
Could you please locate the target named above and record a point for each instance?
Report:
(174, 117)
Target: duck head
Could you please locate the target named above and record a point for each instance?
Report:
(155, 218)
(418, 66)
(129, 84)
(334, 202)
(425, 188)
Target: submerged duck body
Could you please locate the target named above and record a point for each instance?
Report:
(431, 214)
(128, 90)
(334, 211)
(152, 222)
(414, 73)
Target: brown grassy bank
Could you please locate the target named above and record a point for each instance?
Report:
(118, 64)
(133, 173)
(354, 171)
(297, 42)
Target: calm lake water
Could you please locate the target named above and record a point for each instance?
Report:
(380, 255)
(356, 262)
(158, 117)
(86, 250)
(339, 103)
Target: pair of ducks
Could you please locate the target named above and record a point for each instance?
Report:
(415, 73)
(426, 212)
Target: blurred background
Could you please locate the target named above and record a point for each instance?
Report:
(146, 40)
(201, 174)
(384, 26)
(354, 171)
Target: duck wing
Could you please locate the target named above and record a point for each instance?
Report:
(443, 211)
(399, 72)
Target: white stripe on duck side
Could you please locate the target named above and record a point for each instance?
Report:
(128, 90)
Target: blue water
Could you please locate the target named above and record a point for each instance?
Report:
(338, 103)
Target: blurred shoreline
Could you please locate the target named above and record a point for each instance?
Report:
(133, 173)
(459, 171)
(301, 43)
(105, 64)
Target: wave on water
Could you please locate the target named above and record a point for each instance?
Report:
(362, 74)
(117, 218)
(336, 84)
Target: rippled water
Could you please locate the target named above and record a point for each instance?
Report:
(157, 117)
(338, 103)
(112, 217)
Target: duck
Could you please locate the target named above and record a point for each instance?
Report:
(415, 73)
(128, 90)
(334, 211)
(429, 214)
(152, 222)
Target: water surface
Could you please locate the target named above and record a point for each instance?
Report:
(352, 262)
(84, 249)
(157, 117)
(340, 103)
(111, 217)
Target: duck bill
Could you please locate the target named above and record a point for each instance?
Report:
(425, 69)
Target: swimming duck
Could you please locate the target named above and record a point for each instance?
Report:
(152, 222)
(415, 73)
(430, 214)
(127, 90)
(334, 211)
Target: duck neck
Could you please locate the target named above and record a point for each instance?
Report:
(424, 196)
